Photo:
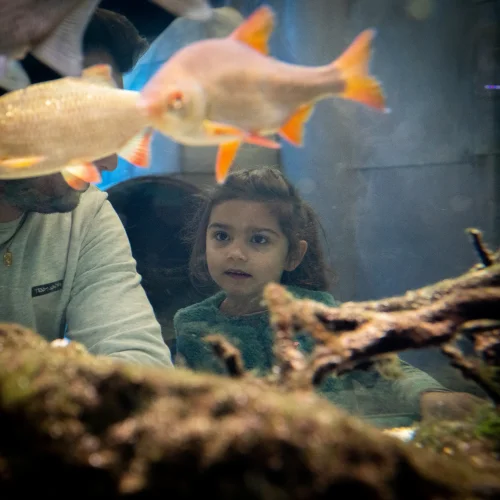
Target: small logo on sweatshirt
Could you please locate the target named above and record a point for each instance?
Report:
(36, 291)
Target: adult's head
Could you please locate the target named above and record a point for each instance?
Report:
(111, 39)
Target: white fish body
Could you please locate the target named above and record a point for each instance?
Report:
(69, 122)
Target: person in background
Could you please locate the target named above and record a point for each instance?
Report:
(255, 229)
(66, 268)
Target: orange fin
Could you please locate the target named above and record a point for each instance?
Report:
(73, 181)
(225, 157)
(214, 128)
(21, 162)
(85, 171)
(100, 74)
(353, 66)
(137, 150)
(293, 129)
(259, 140)
(256, 30)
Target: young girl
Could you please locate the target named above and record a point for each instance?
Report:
(252, 230)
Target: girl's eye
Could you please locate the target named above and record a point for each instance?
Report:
(259, 239)
(221, 236)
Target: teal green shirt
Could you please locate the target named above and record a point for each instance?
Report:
(387, 403)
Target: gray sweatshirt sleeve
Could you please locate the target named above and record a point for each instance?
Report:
(108, 311)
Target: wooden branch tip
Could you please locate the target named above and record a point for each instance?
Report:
(228, 354)
(486, 256)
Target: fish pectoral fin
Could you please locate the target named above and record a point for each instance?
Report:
(137, 150)
(225, 157)
(259, 140)
(215, 128)
(73, 181)
(86, 171)
(100, 74)
(62, 49)
(256, 30)
(293, 129)
(353, 66)
(21, 162)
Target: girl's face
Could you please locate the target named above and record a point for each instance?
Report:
(246, 249)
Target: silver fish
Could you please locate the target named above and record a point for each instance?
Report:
(63, 125)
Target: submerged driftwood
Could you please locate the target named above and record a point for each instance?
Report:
(73, 422)
(70, 421)
(360, 334)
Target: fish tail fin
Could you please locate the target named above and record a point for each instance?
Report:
(62, 50)
(353, 66)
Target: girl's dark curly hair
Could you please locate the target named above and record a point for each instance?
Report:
(296, 218)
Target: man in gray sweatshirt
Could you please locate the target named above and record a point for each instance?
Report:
(66, 267)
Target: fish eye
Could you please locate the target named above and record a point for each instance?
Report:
(175, 101)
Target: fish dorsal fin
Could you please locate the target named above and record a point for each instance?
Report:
(62, 49)
(256, 30)
(100, 74)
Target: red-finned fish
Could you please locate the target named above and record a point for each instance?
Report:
(228, 91)
(64, 125)
(51, 30)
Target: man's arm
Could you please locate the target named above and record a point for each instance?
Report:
(414, 382)
(108, 311)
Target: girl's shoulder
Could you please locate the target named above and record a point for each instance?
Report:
(200, 310)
